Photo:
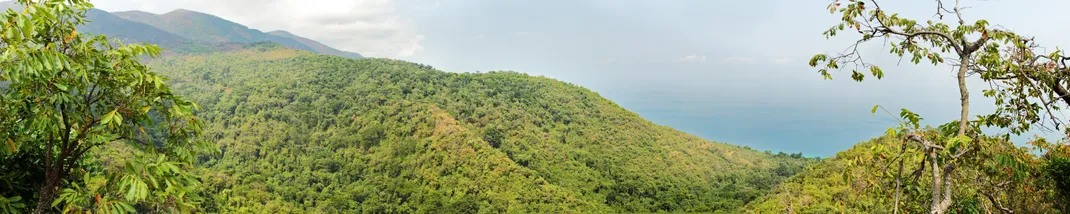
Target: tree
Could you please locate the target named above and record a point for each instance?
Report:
(1019, 78)
(69, 93)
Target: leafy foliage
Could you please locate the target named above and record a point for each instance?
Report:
(12, 205)
(69, 94)
(1058, 170)
(862, 180)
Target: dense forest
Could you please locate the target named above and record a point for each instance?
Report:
(234, 120)
(313, 133)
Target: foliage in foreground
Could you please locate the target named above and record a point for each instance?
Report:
(861, 180)
(65, 96)
(962, 164)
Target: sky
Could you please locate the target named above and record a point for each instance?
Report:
(728, 71)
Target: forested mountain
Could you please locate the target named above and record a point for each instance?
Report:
(102, 22)
(316, 47)
(209, 28)
(313, 133)
(185, 31)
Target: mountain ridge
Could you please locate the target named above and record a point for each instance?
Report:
(316, 46)
(211, 28)
(188, 31)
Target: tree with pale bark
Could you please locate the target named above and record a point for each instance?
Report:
(1028, 88)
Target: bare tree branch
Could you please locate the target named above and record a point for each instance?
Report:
(996, 202)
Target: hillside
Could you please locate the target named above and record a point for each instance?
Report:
(101, 22)
(313, 133)
(210, 28)
(314, 45)
(858, 181)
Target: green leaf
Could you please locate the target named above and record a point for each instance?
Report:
(817, 59)
(857, 76)
(961, 141)
(846, 177)
(157, 81)
(126, 207)
(27, 27)
(61, 86)
(46, 61)
(108, 118)
(876, 71)
(118, 119)
(874, 111)
(825, 73)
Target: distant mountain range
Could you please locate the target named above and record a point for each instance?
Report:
(189, 31)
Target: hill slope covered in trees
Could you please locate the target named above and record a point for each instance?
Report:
(315, 133)
(861, 180)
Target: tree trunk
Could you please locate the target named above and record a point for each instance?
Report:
(941, 201)
(47, 194)
(935, 209)
(964, 94)
(898, 180)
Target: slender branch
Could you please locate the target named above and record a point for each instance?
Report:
(926, 143)
(960, 153)
(898, 180)
(958, 12)
(917, 173)
(956, 45)
(996, 202)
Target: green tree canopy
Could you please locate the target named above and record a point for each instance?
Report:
(68, 93)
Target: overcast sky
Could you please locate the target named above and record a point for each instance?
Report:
(728, 71)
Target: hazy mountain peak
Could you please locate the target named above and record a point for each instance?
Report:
(185, 12)
(181, 27)
(206, 27)
(180, 10)
(314, 45)
(134, 12)
(282, 33)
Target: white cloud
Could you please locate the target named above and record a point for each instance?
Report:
(739, 60)
(609, 60)
(782, 60)
(691, 58)
(525, 33)
(369, 27)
